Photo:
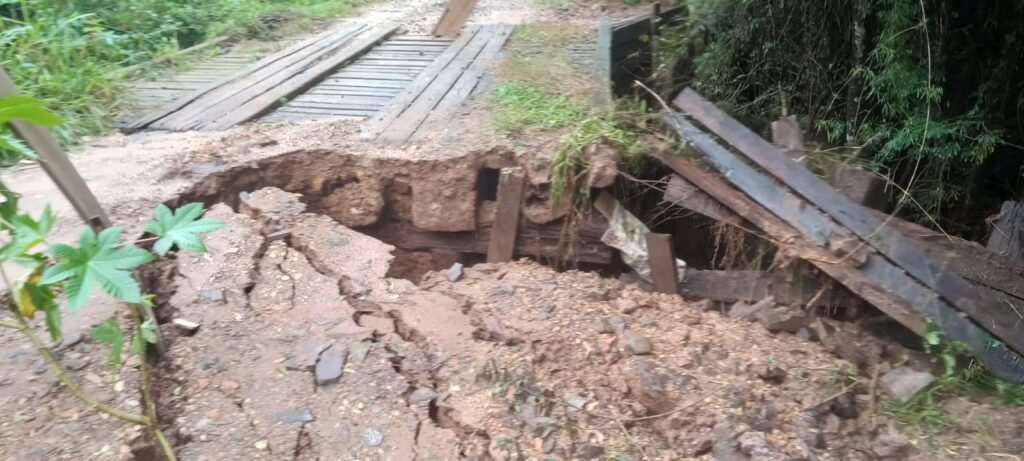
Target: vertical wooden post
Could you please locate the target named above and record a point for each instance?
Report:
(56, 164)
(502, 246)
(662, 259)
(652, 42)
(602, 97)
(454, 16)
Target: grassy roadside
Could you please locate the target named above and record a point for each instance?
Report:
(66, 53)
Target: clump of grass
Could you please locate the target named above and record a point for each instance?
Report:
(520, 107)
(570, 159)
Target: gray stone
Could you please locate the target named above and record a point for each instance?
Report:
(297, 415)
(68, 340)
(747, 311)
(754, 444)
(637, 345)
(215, 295)
(206, 425)
(590, 451)
(891, 445)
(329, 366)
(360, 350)
(575, 401)
(422, 395)
(454, 273)
(903, 382)
(373, 436)
(784, 318)
(603, 326)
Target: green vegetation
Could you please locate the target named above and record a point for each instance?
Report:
(927, 92)
(520, 107)
(98, 259)
(962, 376)
(65, 53)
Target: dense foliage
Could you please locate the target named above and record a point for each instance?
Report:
(928, 92)
(66, 52)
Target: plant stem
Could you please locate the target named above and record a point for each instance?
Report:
(70, 384)
(147, 394)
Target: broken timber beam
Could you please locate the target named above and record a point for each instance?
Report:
(662, 259)
(1007, 238)
(506, 215)
(904, 253)
(454, 16)
(809, 235)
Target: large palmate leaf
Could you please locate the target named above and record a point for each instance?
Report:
(180, 228)
(97, 260)
(26, 233)
(27, 109)
(109, 332)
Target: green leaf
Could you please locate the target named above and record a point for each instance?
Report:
(44, 300)
(26, 108)
(12, 143)
(180, 228)
(97, 260)
(9, 207)
(109, 332)
(26, 233)
(148, 334)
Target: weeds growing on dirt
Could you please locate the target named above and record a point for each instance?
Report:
(67, 53)
(520, 106)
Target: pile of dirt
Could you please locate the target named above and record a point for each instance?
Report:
(306, 350)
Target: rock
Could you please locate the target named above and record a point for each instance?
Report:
(603, 326)
(68, 340)
(637, 345)
(770, 372)
(647, 321)
(742, 310)
(229, 385)
(891, 444)
(454, 273)
(373, 436)
(753, 443)
(296, 415)
(329, 366)
(422, 395)
(783, 318)
(308, 353)
(495, 331)
(261, 444)
(206, 425)
(76, 362)
(649, 384)
(724, 446)
(575, 401)
(187, 327)
(704, 305)
(215, 295)
(903, 382)
(590, 451)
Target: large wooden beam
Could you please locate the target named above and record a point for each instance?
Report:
(1007, 238)
(1005, 322)
(662, 258)
(804, 232)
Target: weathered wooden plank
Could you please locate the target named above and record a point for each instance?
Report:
(681, 193)
(55, 163)
(469, 79)
(1007, 237)
(506, 215)
(602, 77)
(871, 276)
(215, 91)
(263, 77)
(403, 127)
(299, 82)
(988, 312)
(377, 124)
(364, 83)
(404, 77)
(454, 16)
(662, 259)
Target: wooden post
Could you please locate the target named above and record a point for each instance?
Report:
(56, 164)
(602, 97)
(1007, 236)
(506, 215)
(454, 16)
(652, 42)
(662, 259)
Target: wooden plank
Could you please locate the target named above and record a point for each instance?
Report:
(511, 184)
(210, 90)
(872, 277)
(662, 259)
(988, 312)
(404, 77)
(453, 99)
(376, 125)
(681, 193)
(364, 83)
(55, 163)
(602, 77)
(299, 82)
(406, 125)
(454, 16)
(1007, 237)
(262, 77)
